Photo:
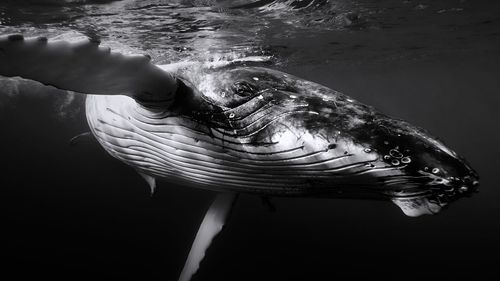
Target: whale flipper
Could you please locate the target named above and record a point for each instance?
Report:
(85, 67)
(212, 224)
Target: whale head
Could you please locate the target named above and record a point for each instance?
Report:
(434, 175)
(366, 153)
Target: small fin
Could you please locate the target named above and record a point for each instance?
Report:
(79, 138)
(212, 224)
(85, 67)
(415, 207)
(150, 180)
(266, 201)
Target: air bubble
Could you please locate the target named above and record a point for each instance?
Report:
(255, 78)
(395, 162)
(367, 150)
(387, 157)
(435, 170)
(406, 160)
(231, 115)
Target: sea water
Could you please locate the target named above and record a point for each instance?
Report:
(73, 212)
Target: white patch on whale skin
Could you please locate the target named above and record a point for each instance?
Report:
(207, 86)
(415, 207)
(355, 121)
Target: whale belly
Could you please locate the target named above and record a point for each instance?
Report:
(182, 150)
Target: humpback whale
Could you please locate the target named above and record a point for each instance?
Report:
(243, 129)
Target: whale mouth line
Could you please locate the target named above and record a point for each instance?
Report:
(445, 192)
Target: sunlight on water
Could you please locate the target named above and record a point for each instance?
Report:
(177, 30)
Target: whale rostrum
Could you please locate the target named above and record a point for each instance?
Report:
(240, 129)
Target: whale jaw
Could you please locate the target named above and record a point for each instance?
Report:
(415, 207)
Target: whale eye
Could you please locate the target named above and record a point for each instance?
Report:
(244, 89)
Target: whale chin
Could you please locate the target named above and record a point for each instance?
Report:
(417, 206)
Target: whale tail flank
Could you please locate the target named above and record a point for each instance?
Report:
(85, 67)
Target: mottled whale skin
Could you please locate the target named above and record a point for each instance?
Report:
(245, 129)
(256, 130)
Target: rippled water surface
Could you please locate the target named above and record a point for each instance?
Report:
(72, 212)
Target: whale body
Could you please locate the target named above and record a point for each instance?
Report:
(244, 129)
(261, 131)
(241, 129)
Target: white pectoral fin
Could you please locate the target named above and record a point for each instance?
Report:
(84, 67)
(212, 224)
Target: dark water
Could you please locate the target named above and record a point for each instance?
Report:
(73, 212)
